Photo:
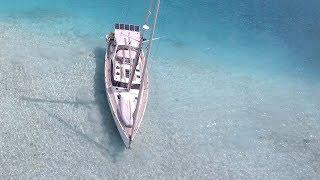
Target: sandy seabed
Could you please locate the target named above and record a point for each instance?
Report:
(204, 120)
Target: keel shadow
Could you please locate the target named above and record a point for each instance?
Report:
(77, 103)
(114, 145)
(73, 129)
(111, 150)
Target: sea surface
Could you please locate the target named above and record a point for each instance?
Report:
(235, 90)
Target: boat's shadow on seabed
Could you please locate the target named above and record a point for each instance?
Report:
(102, 102)
(114, 146)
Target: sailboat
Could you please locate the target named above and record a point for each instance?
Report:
(126, 73)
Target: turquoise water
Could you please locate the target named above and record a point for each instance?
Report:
(235, 90)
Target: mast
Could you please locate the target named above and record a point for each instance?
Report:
(145, 65)
(145, 27)
(150, 40)
(136, 58)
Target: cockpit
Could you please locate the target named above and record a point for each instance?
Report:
(122, 67)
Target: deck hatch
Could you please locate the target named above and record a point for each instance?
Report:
(127, 73)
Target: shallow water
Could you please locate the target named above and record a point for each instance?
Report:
(235, 90)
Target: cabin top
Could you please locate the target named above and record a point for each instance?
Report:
(127, 34)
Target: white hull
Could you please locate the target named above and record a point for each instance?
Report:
(127, 133)
(126, 74)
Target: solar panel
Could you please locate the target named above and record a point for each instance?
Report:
(136, 28)
(131, 27)
(127, 27)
